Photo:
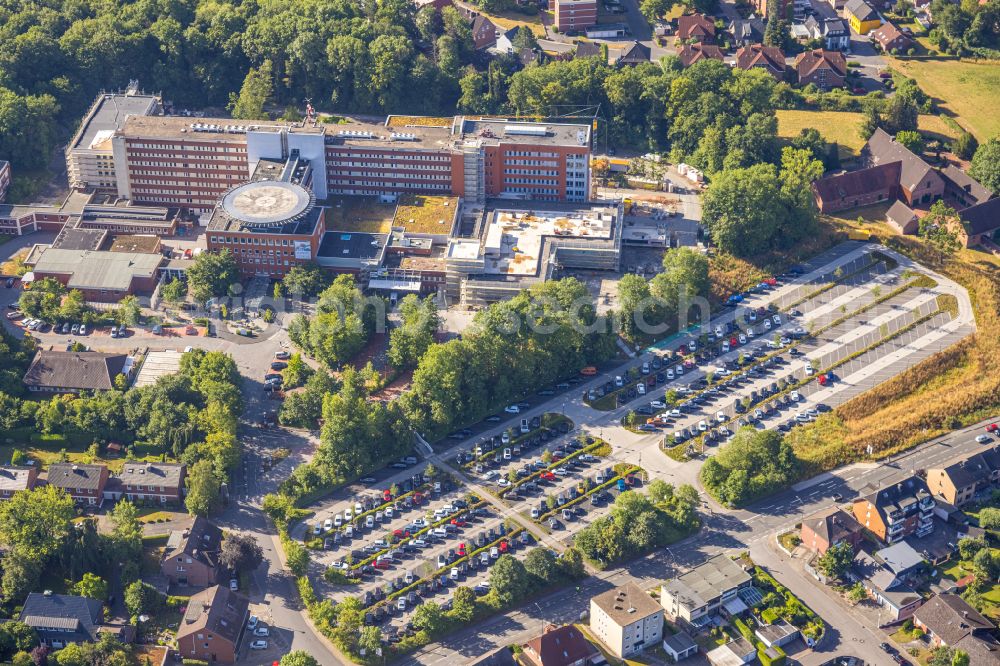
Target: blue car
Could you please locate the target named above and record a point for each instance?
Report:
(621, 486)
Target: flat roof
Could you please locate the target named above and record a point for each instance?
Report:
(350, 245)
(142, 243)
(171, 127)
(515, 238)
(511, 131)
(108, 115)
(79, 239)
(98, 270)
(626, 604)
(424, 214)
(360, 214)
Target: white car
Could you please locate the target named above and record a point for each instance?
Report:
(560, 471)
(753, 315)
(983, 439)
(658, 404)
(370, 522)
(261, 631)
(794, 395)
(258, 645)
(234, 584)
(767, 324)
(725, 346)
(718, 331)
(810, 370)
(510, 409)
(776, 319)
(503, 483)
(83, 329)
(702, 426)
(317, 529)
(720, 417)
(743, 339)
(419, 522)
(336, 522)
(347, 514)
(252, 622)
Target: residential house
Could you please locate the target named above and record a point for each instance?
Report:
(768, 58)
(505, 39)
(885, 588)
(824, 69)
(897, 510)
(635, 54)
(588, 50)
(746, 32)
(626, 620)
(213, 625)
(837, 5)
(861, 16)
(680, 646)
(733, 653)
(484, 33)
(920, 184)
(830, 527)
(902, 218)
(152, 481)
(706, 589)
(72, 372)
(901, 559)
(962, 190)
(559, 646)
(857, 188)
(696, 28)
(191, 558)
(799, 32)
(891, 39)
(84, 483)
(689, 54)
(835, 33)
(947, 619)
(778, 634)
(958, 481)
(979, 223)
(61, 619)
(15, 478)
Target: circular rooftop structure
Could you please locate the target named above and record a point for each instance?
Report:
(267, 203)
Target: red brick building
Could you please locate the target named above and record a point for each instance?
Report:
(191, 557)
(825, 69)
(84, 483)
(689, 54)
(575, 14)
(696, 27)
(830, 527)
(897, 510)
(152, 482)
(857, 188)
(768, 58)
(213, 626)
(15, 478)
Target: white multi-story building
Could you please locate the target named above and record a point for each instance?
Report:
(626, 620)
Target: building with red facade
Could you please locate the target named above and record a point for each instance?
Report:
(575, 14)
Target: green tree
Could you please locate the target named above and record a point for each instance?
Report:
(174, 291)
(256, 92)
(857, 593)
(91, 586)
(409, 340)
(212, 274)
(296, 557)
(463, 604)
(240, 552)
(370, 639)
(296, 373)
(836, 560)
(965, 145)
(985, 165)
(936, 227)
(911, 140)
(509, 580)
(752, 464)
(989, 518)
(128, 311)
(541, 563)
(298, 658)
(305, 280)
(430, 617)
(743, 209)
(203, 488)
(142, 598)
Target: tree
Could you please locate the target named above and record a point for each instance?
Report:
(968, 547)
(240, 552)
(911, 140)
(430, 617)
(92, 587)
(256, 92)
(409, 341)
(836, 560)
(660, 491)
(141, 599)
(637, 308)
(126, 533)
(753, 464)
(128, 311)
(541, 563)
(174, 291)
(296, 373)
(463, 604)
(305, 280)
(989, 518)
(857, 593)
(203, 488)
(296, 557)
(965, 145)
(212, 274)
(936, 226)
(370, 640)
(298, 658)
(985, 165)
(34, 525)
(743, 209)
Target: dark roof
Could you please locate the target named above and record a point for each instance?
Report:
(69, 475)
(807, 62)
(951, 619)
(969, 469)
(167, 475)
(900, 212)
(480, 23)
(79, 239)
(981, 218)
(636, 53)
(79, 616)
(561, 646)
(835, 27)
(832, 524)
(898, 496)
(758, 55)
(963, 181)
(857, 183)
(692, 53)
(861, 9)
(200, 542)
(695, 25)
(218, 610)
(751, 30)
(882, 148)
(680, 641)
(587, 49)
(74, 370)
(981, 649)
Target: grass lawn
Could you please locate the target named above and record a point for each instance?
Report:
(361, 214)
(509, 19)
(965, 89)
(842, 127)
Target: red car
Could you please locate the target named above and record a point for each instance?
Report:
(458, 522)
(386, 495)
(993, 427)
(770, 281)
(823, 380)
(399, 534)
(418, 498)
(461, 550)
(734, 342)
(382, 564)
(548, 476)
(504, 546)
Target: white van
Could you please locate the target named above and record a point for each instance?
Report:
(641, 388)
(720, 417)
